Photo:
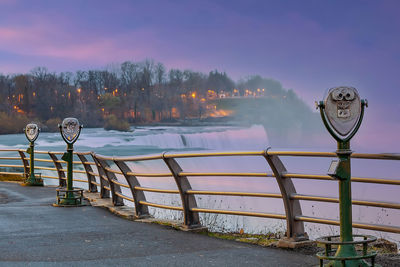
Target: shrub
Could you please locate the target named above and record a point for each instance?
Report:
(13, 123)
(52, 125)
(111, 122)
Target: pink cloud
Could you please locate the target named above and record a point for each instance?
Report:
(47, 41)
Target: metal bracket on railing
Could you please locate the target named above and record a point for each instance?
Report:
(295, 229)
(191, 218)
(91, 179)
(114, 188)
(104, 192)
(25, 162)
(141, 211)
(61, 174)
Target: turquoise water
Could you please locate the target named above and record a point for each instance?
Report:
(147, 140)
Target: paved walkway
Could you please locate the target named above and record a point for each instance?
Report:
(33, 233)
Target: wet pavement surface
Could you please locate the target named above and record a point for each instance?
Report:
(34, 233)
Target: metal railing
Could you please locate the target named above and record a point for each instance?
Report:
(113, 173)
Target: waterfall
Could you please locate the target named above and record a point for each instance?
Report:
(253, 138)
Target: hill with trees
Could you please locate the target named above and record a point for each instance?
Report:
(142, 93)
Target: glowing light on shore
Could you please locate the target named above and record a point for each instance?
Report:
(221, 113)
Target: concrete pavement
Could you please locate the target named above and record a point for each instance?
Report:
(34, 233)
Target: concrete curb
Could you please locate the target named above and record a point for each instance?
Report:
(129, 214)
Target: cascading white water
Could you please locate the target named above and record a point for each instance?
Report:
(222, 138)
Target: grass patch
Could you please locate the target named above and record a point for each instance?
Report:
(166, 223)
(266, 240)
(12, 177)
(382, 246)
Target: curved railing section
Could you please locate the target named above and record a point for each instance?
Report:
(109, 175)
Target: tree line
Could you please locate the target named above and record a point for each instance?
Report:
(131, 92)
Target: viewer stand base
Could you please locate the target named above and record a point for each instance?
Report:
(36, 180)
(348, 253)
(69, 198)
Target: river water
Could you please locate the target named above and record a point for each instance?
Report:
(155, 140)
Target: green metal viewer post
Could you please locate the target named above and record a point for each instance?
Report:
(342, 112)
(70, 130)
(32, 133)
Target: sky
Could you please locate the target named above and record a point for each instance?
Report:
(308, 45)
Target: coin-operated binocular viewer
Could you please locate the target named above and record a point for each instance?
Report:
(342, 112)
(32, 133)
(70, 130)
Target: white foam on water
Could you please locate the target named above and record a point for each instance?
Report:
(254, 137)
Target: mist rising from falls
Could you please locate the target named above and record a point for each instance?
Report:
(253, 138)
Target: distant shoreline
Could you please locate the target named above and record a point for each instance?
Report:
(183, 123)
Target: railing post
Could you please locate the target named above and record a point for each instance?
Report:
(141, 211)
(114, 188)
(104, 193)
(191, 219)
(295, 229)
(25, 162)
(61, 174)
(90, 177)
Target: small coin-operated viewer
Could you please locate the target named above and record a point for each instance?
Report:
(342, 112)
(70, 130)
(32, 133)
